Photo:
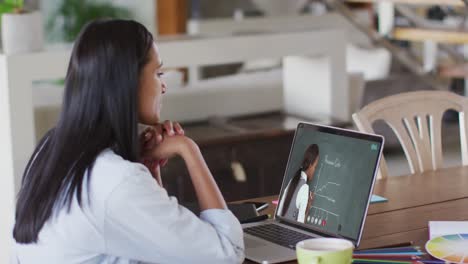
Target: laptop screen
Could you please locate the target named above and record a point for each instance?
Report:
(328, 180)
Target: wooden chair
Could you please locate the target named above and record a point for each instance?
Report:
(416, 119)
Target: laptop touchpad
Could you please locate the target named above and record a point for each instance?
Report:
(253, 243)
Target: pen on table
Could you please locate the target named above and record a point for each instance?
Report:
(430, 262)
(388, 250)
(396, 258)
(404, 244)
(256, 219)
(385, 261)
(391, 253)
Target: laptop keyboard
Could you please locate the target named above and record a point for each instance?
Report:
(277, 234)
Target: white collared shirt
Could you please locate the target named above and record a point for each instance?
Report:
(302, 198)
(131, 219)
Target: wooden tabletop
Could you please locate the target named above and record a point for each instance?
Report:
(413, 201)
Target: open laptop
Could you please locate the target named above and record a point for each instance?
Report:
(326, 191)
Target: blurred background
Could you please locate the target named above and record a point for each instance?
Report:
(242, 73)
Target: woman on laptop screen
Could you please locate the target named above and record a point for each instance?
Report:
(297, 199)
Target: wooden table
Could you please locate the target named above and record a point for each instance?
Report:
(414, 200)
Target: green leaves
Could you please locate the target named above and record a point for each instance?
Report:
(9, 6)
(17, 3)
(72, 15)
(6, 8)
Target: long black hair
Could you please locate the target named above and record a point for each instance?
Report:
(99, 111)
(310, 156)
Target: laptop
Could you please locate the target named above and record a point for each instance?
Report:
(325, 192)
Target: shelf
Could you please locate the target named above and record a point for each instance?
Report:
(414, 2)
(436, 35)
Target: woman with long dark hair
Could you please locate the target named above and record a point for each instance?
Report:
(86, 197)
(297, 199)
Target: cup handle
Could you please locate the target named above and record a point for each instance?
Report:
(315, 260)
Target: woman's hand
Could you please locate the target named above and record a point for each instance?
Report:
(150, 138)
(155, 134)
(172, 146)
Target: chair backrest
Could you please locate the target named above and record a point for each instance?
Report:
(416, 119)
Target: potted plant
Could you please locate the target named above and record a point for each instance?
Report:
(70, 16)
(21, 30)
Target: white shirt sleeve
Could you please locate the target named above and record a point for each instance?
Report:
(301, 202)
(143, 223)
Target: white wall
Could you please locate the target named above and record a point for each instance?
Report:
(7, 196)
(144, 11)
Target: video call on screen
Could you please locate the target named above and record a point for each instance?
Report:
(336, 191)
